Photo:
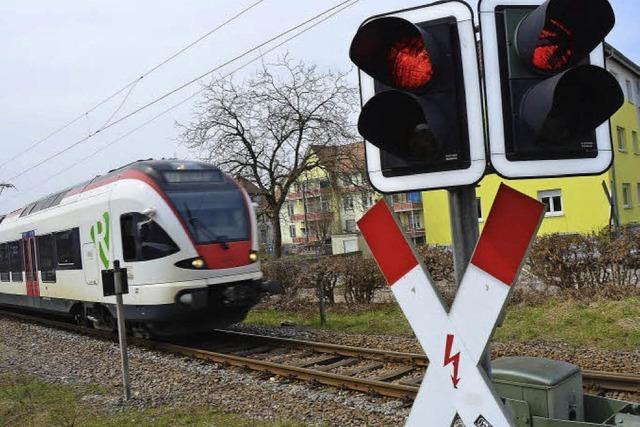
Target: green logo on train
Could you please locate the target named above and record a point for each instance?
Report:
(100, 236)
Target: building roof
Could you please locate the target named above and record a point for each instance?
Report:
(618, 56)
(341, 158)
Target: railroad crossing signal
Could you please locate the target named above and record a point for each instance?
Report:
(455, 341)
(422, 115)
(548, 99)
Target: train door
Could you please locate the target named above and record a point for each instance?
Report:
(91, 269)
(30, 264)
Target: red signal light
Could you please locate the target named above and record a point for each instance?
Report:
(554, 49)
(409, 63)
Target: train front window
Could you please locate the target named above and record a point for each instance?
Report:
(214, 216)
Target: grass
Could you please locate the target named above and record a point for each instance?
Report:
(25, 401)
(607, 324)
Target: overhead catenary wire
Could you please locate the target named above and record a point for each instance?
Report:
(179, 88)
(130, 86)
(183, 101)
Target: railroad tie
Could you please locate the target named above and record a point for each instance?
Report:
(395, 374)
(344, 362)
(254, 350)
(368, 367)
(327, 358)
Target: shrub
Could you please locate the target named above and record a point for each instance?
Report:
(325, 273)
(586, 261)
(439, 262)
(287, 272)
(361, 278)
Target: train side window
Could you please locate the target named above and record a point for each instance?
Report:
(5, 264)
(16, 261)
(68, 250)
(143, 239)
(47, 257)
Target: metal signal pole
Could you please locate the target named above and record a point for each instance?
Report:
(122, 331)
(464, 231)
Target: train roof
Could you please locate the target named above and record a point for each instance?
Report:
(158, 170)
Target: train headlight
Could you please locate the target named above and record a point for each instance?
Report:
(186, 299)
(253, 256)
(197, 263)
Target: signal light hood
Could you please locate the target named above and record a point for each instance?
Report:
(568, 106)
(566, 29)
(397, 53)
(395, 123)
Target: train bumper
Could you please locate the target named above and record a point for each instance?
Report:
(198, 309)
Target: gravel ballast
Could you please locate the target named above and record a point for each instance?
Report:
(159, 379)
(162, 379)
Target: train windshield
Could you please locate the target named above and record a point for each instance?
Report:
(213, 216)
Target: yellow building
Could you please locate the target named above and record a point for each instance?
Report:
(575, 205)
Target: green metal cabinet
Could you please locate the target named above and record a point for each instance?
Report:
(548, 393)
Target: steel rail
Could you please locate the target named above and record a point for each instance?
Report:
(417, 359)
(611, 381)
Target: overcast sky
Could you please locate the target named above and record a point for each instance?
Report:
(61, 58)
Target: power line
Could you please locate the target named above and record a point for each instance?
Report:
(179, 88)
(174, 106)
(131, 85)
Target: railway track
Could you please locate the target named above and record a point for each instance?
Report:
(387, 373)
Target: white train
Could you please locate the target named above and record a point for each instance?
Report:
(185, 231)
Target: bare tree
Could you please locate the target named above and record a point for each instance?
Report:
(269, 128)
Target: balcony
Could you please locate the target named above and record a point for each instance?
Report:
(415, 232)
(407, 206)
(303, 240)
(317, 192)
(313, 216)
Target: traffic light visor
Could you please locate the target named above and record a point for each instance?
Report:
(395, 52)
(395, 122)
(560, 33)
(567, 107)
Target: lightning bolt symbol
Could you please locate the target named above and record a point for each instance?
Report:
(455, 359)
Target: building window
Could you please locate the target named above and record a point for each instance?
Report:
(367, 200)
(634, 141)
(414, 222)
(626, 195)
(479, 208)
(350, 225)
(292, 231)
(553, 201)
(47, 257)
(347, 202)
(290, 209)
(324, 183)
(622, 142)
(325, 206)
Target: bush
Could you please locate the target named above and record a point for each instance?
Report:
(439, 262)
(323, 273)
(287, 272)
(586, 261)
(361, 278)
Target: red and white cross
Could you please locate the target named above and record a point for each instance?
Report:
(454, 341)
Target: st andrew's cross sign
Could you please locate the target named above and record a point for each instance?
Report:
(454, 341)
